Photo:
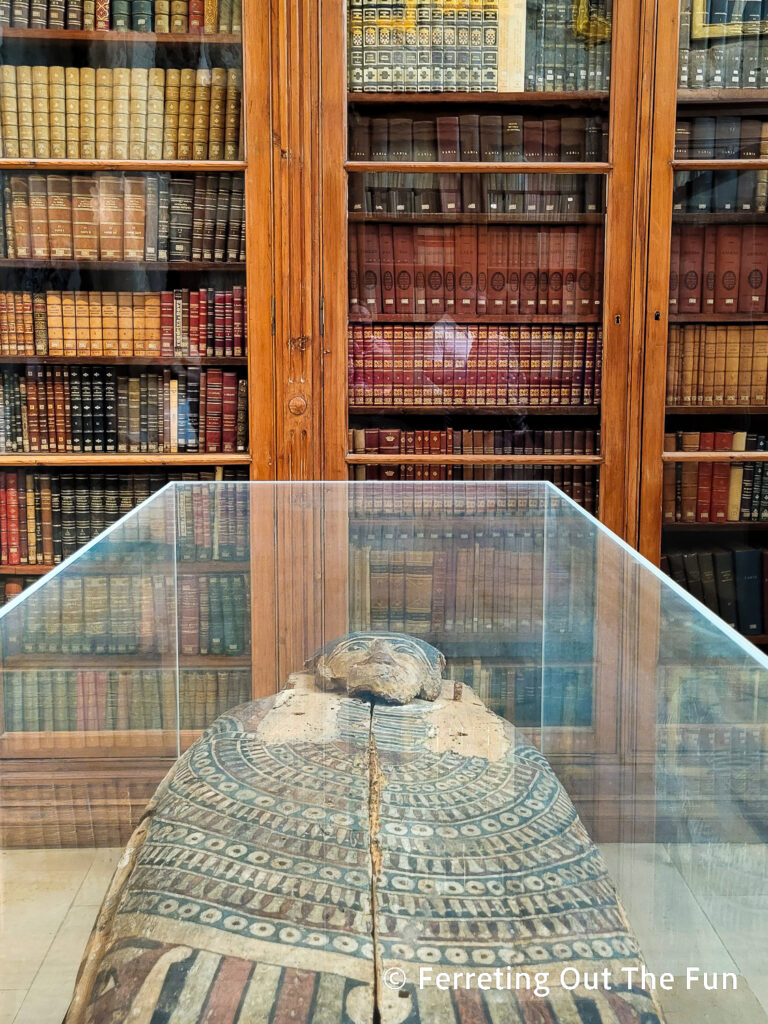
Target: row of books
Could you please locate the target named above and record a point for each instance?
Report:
(718, 269)
(489, 137)
(456, 47)
(180, 323)
(530, 695)
(527, 500)
(372, 440)
(475, 270)
(134, 614)
(555, 197)
(582, 483)
(443, 364)
(720, 695)
(122, 113)
(123, 217)
(722, 138)
(41, 700)
(46, 516)
(715, 492)
(106, 409)
(732, 582)
(469, 583)
(710, 763)
(737, 60)
(205, 16)
(714, 364)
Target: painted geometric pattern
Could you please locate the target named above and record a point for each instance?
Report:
(251, 898)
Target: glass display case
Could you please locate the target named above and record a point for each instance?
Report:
(651, 711)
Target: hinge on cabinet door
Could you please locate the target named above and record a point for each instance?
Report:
(322, 315)
(273, 314)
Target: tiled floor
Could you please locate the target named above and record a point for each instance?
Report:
(690, 906)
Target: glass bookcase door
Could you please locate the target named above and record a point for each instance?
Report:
(715, 485)
(123, 348)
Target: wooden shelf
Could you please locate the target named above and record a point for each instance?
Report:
(59, 35)
(717, 410)
(94, 567)
(751, 456)
(582, 98)
(135, 166)
(475, 218)
(125, 459)
(145, 266)
(472, 410)
(126, 360)
(25, 570)
(475, 460)
(133, 744)
(718, 318)
(737, 163)
(709, 527)
(510, 319)
(476, 167)
(126, 661)
(708, 97)
(719, 217)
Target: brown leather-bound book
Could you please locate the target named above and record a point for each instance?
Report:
(497, 270)
(709, 269)
(69, 323)
(529, 271)
(434, 270)
(542, 288)
(40, 325)
(60, 226)
(38, 217)
(232, 114)
(217, 114)
(110, 215)
(110, 323)
(370, 266)
(759, 385)
(20, 215)
(691, 263)
(704, 478)
(585, 270)
(732, 352)
(46, 518)
(745, 366)
(134, 217)
(555, 278)
(402, 240)
(481, 301)
(466, 270)
(514, 244)
(95, 327)
(753, 270)
(85, 217)
(728, 268)
(689, 442)
(387, 261)
(720, 478)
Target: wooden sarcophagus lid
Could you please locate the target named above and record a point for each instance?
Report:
(370, 844)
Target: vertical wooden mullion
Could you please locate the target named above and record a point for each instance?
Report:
(657, 298)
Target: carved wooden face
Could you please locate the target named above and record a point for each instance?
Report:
(391, 666)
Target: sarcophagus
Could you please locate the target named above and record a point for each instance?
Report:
(371, 844)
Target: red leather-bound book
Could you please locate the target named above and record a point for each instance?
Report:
(674, 271)
(728, 268)
(420, 269)
(466, 270)
(387, 253)
(598, 273)
(434, 270)
(529, 271)
(542, 286)
(229, 324)
(524, 365)
(585, 270)
(449, 268)
(196, 15)
(481, 300)
(213, 409)
(709, 269)
(194, 323)
(691, 266)
(398, 365)
(704, 484)
(555, 282)
(228, 411)
(513, 270)
(370, 266)
(12, 517)
(402, 238)
(721, 476)
(219, 343)
(238, 349)
(101, 15)
(409, 360)
(353, 271)
(570, 264)
(590, 351)
(754, 268)
(166, 325)
(497, 270)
